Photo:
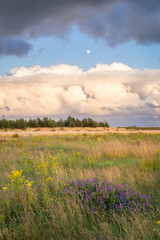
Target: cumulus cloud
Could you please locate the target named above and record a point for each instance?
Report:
(37, 70)
(107, 91)
(113, 20)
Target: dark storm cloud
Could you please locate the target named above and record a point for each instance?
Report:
(14, 47)
(21, 16)
(116, 21)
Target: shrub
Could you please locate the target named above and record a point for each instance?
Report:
(16, 135)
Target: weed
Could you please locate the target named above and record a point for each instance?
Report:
(16, 135)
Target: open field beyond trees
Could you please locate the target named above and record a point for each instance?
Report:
(46, 131)
(104, 185)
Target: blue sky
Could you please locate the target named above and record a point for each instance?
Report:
(71, 49)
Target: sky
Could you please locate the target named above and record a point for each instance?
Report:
(83, 58)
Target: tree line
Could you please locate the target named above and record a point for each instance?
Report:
(48, 122)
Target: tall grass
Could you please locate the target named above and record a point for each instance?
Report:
(34, 171)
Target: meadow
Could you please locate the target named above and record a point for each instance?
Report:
(99, 186)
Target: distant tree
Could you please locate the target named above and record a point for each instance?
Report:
(60, 123)
(46, 122)
(4, 123)
(40, 122)
(52, 123)
(71, 124)
(92, 123)
(78, 122)
(106, 124)
(32, 123)
(20, 123)
(11, 124)
(88, 122)
(70, 121)
(101, 124)
(84, 122)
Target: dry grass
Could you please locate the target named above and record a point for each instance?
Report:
(67, 130)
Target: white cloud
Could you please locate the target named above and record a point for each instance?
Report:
(113, 67)
(106, 90)
(37, 70)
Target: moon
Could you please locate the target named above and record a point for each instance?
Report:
(88, 51)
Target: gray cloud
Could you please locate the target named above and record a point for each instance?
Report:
(14, 47)
(114, 20)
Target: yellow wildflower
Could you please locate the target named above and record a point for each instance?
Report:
(54, 165)
(48, 179)
(43, 165)
(158, 222)
(4, 188)
(28, 184)
(15, 174)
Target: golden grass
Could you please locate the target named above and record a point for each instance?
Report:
(70, 131)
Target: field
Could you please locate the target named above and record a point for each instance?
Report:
(80, 186)
(76, 131)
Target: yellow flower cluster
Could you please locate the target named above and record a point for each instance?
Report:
(28, 184)
(17, 183)
(54, 165)
(16, 177)
(43, 165)
(42, 168)
(53, 158)
(48, 179)
(15, 174)
(158, 222)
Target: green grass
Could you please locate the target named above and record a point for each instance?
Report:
(38, 211)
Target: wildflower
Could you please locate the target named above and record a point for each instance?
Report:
(54, 164)
(4, 188)
(158, 222)
(28, 184)
(43, 165)
(53, 158)
(15, 174)
(105, 195)
(48, 179)
(16, 177)
(43, 168)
